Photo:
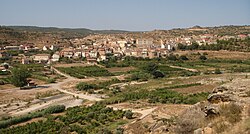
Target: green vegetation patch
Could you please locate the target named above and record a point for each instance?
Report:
(82, 72)
(162, 95)
(19, 119)
(94, 119)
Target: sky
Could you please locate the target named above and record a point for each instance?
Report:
(133, 15)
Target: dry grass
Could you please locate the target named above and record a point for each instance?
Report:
(191, 120)
(232, 112)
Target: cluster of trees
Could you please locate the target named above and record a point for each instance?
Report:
(231, 45)
(93, 119)
(163, 95)
(153, 69)
(19, 76)
(19, 119)
(82, 86)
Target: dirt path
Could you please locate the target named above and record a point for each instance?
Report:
(65, 100)
(69, 79)
(188, 69)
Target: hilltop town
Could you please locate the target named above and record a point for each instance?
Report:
(50, 47)
(60, 80)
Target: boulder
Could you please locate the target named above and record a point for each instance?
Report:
(220, 89)
(211, 111)
(217, 98)
(208, 130)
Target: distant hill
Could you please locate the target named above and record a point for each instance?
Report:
(68, 31)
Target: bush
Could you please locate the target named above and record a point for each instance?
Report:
(54, 109)
(2, 82)
(232, 112)
(203, 57)
(183, 57)
(82, 86)
(19, 76)
(16, 120)
(140, 76)
(51, 80)
(191, 120)
(128, 114)
(158, 74)
(217, 71)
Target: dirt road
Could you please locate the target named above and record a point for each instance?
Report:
(188, 69)
(69, 79)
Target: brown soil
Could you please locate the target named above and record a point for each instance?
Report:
(196, 89)
(120, 69)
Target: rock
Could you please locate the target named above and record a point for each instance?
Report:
(211, 111)
(198, 131)
(220, 89)
(243, 95)
(217, 98)
(208, 130)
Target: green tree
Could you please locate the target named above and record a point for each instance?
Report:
(158, 74)
(183, 57)
(203, 57)
(150, 67)
(19, 76)
(128, 114)
(217, 71)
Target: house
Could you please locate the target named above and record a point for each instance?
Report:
(118, 54)
(144, 41)
(122, 44)
(152, 54)
(11, 48)
(27, 46)
(91, 61)
(25, 60)
(127, 52)
(93, 54)
(55, 57)
(102, 54)
(77, 53)
(53, 48)
(45, 48)
(67, 52)
(41, 58)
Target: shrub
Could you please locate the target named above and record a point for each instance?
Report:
(128, 114)
(85, 86)
(203, 57)
(158, 74)
(19, 76)
(142, 76)
(51, 80)
(183, 57)
(217, 71)
(19, 119)
(2, 82)
(191, 120)
(232, 112)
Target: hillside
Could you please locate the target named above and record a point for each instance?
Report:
(65, 32)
